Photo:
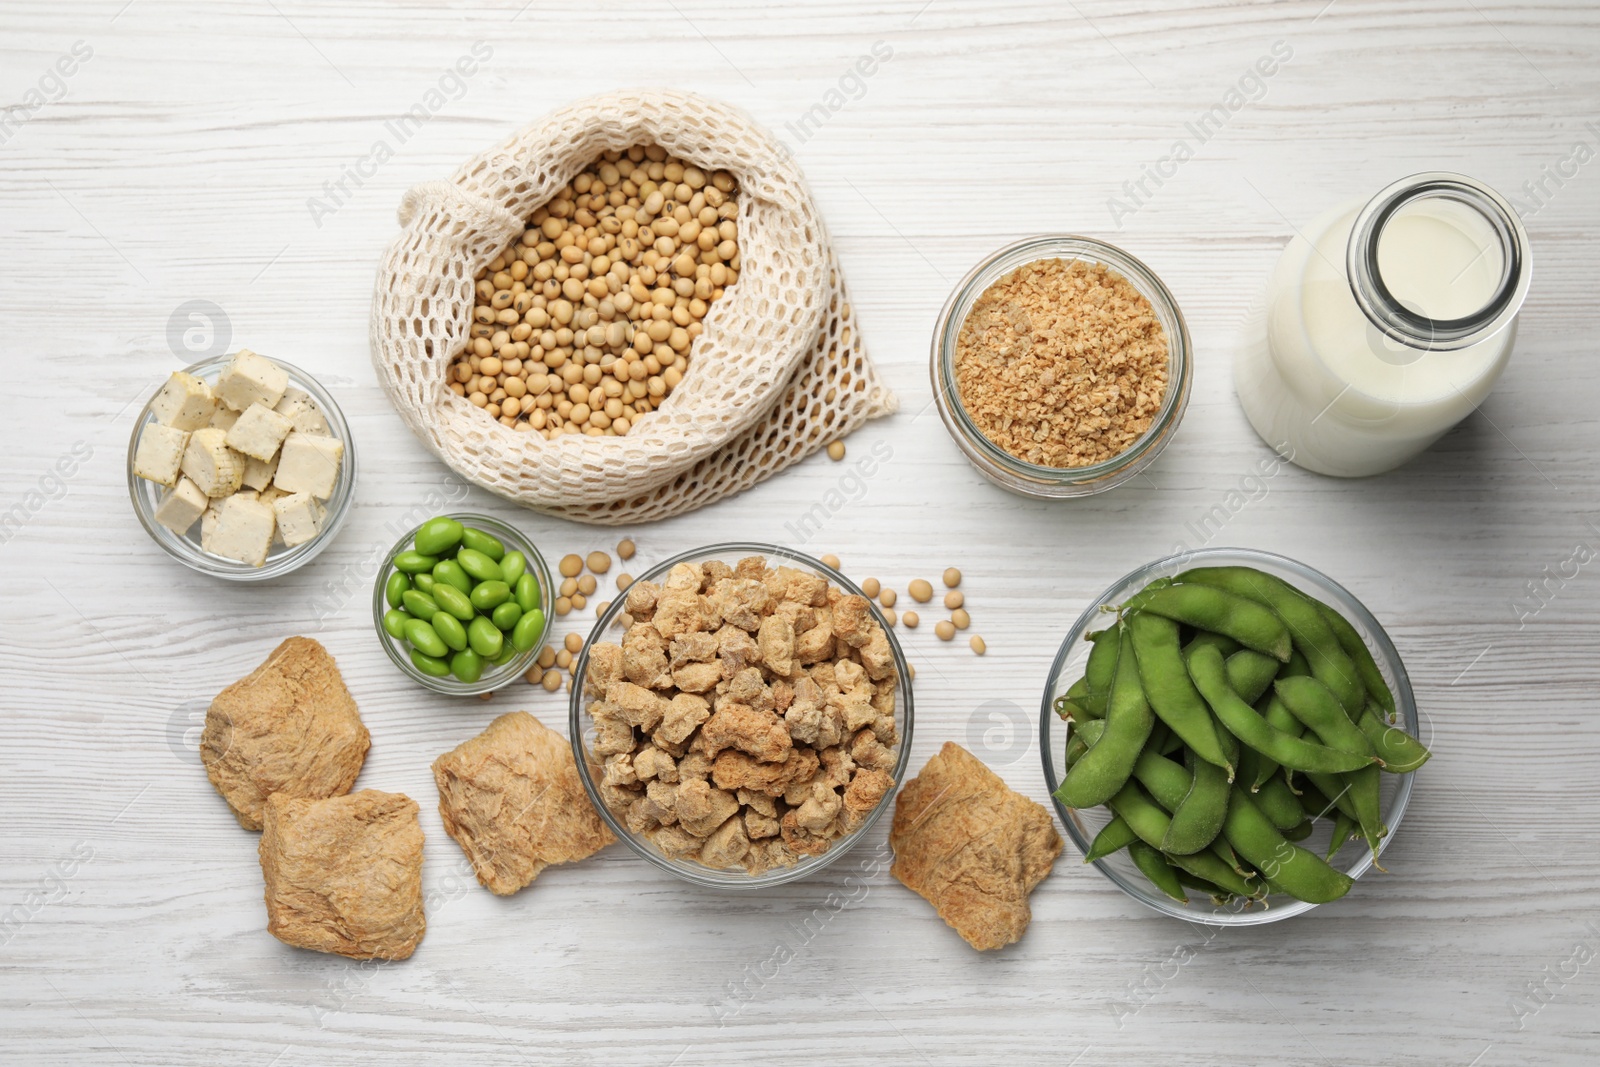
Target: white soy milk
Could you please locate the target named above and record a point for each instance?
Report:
(1326, 386)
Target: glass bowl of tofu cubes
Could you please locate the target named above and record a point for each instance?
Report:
(241, 467)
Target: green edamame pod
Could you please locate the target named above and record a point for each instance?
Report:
(1350, 640)
(1323, 794)
(513, 565)
(526, 591)
(449, 629)
(395, 588)
(394, 623)
(450, 573)
(1315, 705)
(1166, 685)
(414, 562)
(423, 583)
(1208, 607)
(1298, 832)
(1155, 867)
(1113, 837)
(1224, 644)
(528, 630)
(1101, 670)
(1081, 738)
(1197, 821)
(437, 536)
(486, 596)
(1356, 794)
(1250, 673)
(466, 665)
(486, 640)
(1285, 865)
(1219, 896)
(1219, 872)
(1105, 768)
(1308, 630)
(421, 605)
(425, 639)
(1297, 667)
(430, 665)
(506, 615)
(478, 541)
(1280, 805)
(1210, 676)
(1066, 709)
(1399, 751)
(1344, 829)
(454, 601)
(479, 566)
(1279, 718)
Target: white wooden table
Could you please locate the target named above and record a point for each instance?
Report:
(175, 164)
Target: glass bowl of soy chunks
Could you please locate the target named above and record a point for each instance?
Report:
(1229, 736)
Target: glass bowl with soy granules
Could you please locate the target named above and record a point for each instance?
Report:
(1061, 366)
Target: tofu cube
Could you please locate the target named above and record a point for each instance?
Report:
(309, 463)
(208, 523)
(270, 495)
(299, 517)
(258, 432)
(258, 475)
(298, 407)
(159, 454)
(251, 379)
(184, 402)
(181, 505)
(244, 530)
(224, 418)
(217, 469)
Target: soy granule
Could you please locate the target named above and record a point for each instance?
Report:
(1062, 363)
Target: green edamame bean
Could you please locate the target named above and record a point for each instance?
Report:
(430, 665)
(1250, 673)
(478, 565)
(1252, 624)
(484, 638)
(1308, 630)
(528, 631)
(508, 652)
(413, 562)
(1113, 837)
(394, 623)
(437, 536)
(513, 565)
(1155, 867)
(419, 604)
(1350, 640)
(506, 615)
(479, 541)
(1210, 676)
(424, 583)
(486, 596)
(450, 573)
(1100, 671)
(425, 639)
(1285, 865)
(395, 587)
(466, 665)
(527, 592)
(1399, 751)
(454, 601)
(449, 629)
(1166, 685)
(1105, 768)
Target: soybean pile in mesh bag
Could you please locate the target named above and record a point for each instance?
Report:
(1219, 718)
(776, 372)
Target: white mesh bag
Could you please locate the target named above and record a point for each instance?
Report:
(778, 371)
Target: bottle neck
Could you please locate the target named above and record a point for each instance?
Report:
(1393, 233)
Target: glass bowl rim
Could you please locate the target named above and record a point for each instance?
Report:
(1388, 655)
(699, 874)
(202, 562)
(1033, 249)
(493, 678)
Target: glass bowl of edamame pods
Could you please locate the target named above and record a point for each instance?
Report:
(1255, 654)
(462, 604)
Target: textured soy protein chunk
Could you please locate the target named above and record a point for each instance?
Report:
(512, 799)
(344, 874)
(289, 727)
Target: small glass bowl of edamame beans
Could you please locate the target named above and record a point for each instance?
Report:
(408, 584)
(1082, 824)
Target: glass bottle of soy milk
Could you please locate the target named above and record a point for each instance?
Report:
(1384, 324)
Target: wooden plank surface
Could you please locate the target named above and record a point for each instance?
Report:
(175, 164)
